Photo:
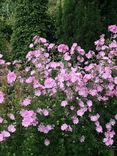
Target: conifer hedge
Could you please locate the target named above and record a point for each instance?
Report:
(80, 21)
(31, 19)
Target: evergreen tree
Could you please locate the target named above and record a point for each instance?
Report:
(31, 19)
(108, 11)
(88, 25)
(59, 24)
(5, 32)
(2, 38)
(68, 20)
(81, 22)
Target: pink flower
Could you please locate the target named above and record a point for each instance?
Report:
(99, 129)
(72, 50)
(94, 118)
(6, 134)
(27, 69)
(11, 116)
(108, 142)
(11, 77)
(26, 113)
(1, 97)
(89, 103)
(80, 59)
(51, 46)
(49, 83)
(87, 77)
(29, 80)
(102, 53)
(53, 65)
(26, 122)
(64, 103)
(46, 142)
(75, 120)
(90, 54)
(45, 129)
(45, 112)
(36, 54)
(2, 61)
(72, 107)
(89, 67)
(111, 86)
(81, 104)
(101, 41)
(97, 123)
(83, 92)
(113, 44)
(108, 126)
(112, 28)
(93, 92)
(80, 112)
(106, 75)
(11, 128)
(64, 127)
(80, 50)
(29, 118)
(39, 110)
(26, 102)
(37, 92)
(29, 55)
(67, 57)
(42, 40)
(63, 48)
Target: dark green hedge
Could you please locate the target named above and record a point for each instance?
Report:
(31, 19)
(83, 21)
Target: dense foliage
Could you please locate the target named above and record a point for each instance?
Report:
(31, 19)
(80, 22)
(69, 109)
(108, 11)
(5, 32)
(83, 21)
(6, 22)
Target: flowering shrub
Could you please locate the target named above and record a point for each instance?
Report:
(73, 97)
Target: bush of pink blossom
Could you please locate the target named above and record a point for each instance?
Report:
(71, 102)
